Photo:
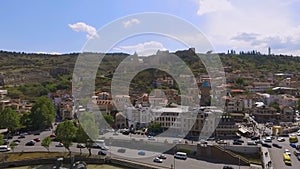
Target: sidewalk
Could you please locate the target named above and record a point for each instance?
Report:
(266, 159)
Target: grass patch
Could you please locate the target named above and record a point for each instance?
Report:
(10, 157)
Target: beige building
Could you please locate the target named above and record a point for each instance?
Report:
(121, 121)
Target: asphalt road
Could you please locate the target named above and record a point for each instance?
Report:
(131, 154)
(277, 155)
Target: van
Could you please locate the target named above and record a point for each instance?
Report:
(4, 148)
(181, 155)
(100, 144)
(251, 143)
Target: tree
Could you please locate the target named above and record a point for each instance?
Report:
(155, 127)
(240, 81)
(65, 133)
(1, 139)
(89, 125)
(109, 119)
(89, 145)
(10, 119)
(13, 145)
(298, 105)
(42, 113)
(46, 143)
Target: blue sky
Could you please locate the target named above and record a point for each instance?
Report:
(53, 26)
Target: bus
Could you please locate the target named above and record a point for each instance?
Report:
(287, 159)
(293, 139)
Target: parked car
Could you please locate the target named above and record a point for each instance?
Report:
(52, 135)
(276, 145)
(4, 148)
(102, 152)
(297, 153)
(151, 138)
(37, 139)
(251, 143)
(280, 139)
(202, 141)
(81, 145)
(287, 151)
(239, 140)
(255, 138)
(21, 136)
(180, 155)
(121, 150)
(237, 143)
(267, 139)
(141, 153)
(264, 144)
(30, 143)
(221, 142)
(161, 156)
(293, 145)
(157, 160)
(59, 144)
(227, 167)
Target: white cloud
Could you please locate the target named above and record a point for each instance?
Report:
(208, 6)
(130, 22)
(254, 25)
(83, 27)
(143, 49)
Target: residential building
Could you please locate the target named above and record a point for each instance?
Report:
(265, 114)
(226, 128)
(121, 121)
(287, 114)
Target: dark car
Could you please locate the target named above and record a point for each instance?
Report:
(293, 145)
(298, 157)
(266, 145)
(21, 136)
(5, 142)
(30, 143)
(102, 152)
(121, 150)
(161, 156)
(276, 145)
(227, 167)
(236, 143)
(239, 140)
(255, 138)
(36, 133)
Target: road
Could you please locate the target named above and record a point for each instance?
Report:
(131, 154)
(277, 155)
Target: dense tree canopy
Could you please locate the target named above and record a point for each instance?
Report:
(155, 127)
(89, 125)
(65, 133)
(10, 119)
(1, 139)
(46, 142)
(42, 113)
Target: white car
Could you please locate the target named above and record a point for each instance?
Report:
(280, 139)
(157, 160)
(287, 151)
(251, 142)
